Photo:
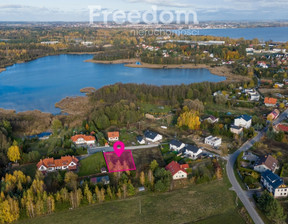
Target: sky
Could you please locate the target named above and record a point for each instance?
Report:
(207, 10)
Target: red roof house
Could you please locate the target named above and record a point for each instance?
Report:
(270, 102)
(83, 139)
(176, 170)
(51, 164)
(113, 136)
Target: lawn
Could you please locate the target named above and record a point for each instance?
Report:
(205, 203)
(150, 108)
(143, 157)
(92, 164)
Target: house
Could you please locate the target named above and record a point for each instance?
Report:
(184, 166)
(264, 163)
(273, 115)
(244, 121)
(281, 127)
(236, 129)
(100, 180)
(113, 136)
(176, 171)
(140, 140)
(152, 136)
(191, 151)
(212, 119)
(176, 145)
(274, 184)
(83, 139)
(103, 170)
(254, 97)
(51, 164)
(213, 141)
(278, 85)
(270, 102)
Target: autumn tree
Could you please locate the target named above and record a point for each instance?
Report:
(9, 212)
(189, 119)
(154, 165)
(13, 153)
(71, 180)
(142, 178)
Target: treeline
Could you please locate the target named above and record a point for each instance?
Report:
(23, 198)
(115, 54)
(168, 95)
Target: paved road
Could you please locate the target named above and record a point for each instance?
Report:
(250, 207)
(94, 150)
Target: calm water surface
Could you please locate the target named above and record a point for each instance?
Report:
(41, 83)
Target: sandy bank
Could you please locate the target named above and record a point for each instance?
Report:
(120, 61)
(2, 69)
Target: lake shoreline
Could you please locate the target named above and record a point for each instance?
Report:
(217, 70)
(2, 69)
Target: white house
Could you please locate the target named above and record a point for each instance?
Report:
(192, 151)
(113, 136)
(212, 119)
(176, 145)
(244, 121)
(213, 141)
(83, 139)
(176, 171)
(152, 136)
(140, 140)
(274, 184)
(51, 164)
(236, 129)
(255, 97)
(266, 162)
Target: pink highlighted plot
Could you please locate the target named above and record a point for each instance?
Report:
(124, 162)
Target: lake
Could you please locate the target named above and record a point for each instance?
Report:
(279, 34)
(39, 84)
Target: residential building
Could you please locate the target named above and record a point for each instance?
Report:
(236, 129)
(273, 115)
(212, 119)
(278, 85)
(191, 151)
(152, 136)
(176, 145)
(244, 121)
(270, 102)
(140, 140)
(184, 166)
(266, 162)
(176, 171)
(281, 127)
(255, 97)
(51, 164)
(83, 139)
(274, 184)
(100, 180)
(213, 141)
(113, 136)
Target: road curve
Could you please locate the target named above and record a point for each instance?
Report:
(231, 175)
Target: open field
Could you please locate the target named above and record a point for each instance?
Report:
(206, 203)
(92, 164)
(143, 157)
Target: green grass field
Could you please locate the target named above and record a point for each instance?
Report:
(91, 165)
(204, 204)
